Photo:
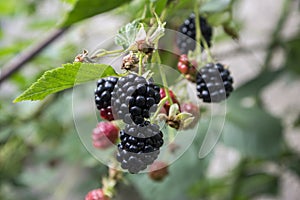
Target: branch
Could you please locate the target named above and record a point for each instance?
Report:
(18, 62)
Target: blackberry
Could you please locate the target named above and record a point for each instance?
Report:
(139, 146)
(103, 92)
(214, 83)
(134, 99)
(187, 41)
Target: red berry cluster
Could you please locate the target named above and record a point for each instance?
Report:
(186, 68)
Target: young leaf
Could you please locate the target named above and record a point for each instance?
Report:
(88, 8)
(64, 77)
(127, 34)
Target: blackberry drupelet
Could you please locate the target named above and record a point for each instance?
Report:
(103, 92)
(134, 99)
(139, 146)
(187, 41)
(214, 83)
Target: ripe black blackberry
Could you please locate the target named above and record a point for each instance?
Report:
(139, 146)
(214, 83)
(187, 41)
(105, 87)
(134, 99)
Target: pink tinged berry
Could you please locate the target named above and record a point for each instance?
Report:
(96, 194)
(194, 110)
(105, 135)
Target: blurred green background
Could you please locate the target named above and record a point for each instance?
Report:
(258, 155)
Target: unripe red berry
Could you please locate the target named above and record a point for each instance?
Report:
(184, 59)
(184, 69)
(167, 104)
(187, 68)
(96, 194)
(106, 113)
(158, 171)
(105, 135)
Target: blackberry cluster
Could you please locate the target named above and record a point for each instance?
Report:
(139, 146)
(187, 41)
(214, 83)
(134, 99)
(103, 92)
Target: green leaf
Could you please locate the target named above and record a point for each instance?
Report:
(293, 58)
(88, 8)
(217, 19)
(252, 131)
(160, 5)
(231, 29)
(258, 184)
(215, 6)
(127, 34)
(254, 86)
(290, 160)
(12, 154)
(296, 123)
(215, 188)
(61, 78)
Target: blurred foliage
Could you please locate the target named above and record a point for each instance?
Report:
(41, 157)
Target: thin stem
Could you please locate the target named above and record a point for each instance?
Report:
(165, 84)
(199, 37)
(276, 33)
(198, 34)
(20, 60)
(156, 59)
(207, 50)
(105, 52)
(163, 14)
(141, 56)
(171, 134)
